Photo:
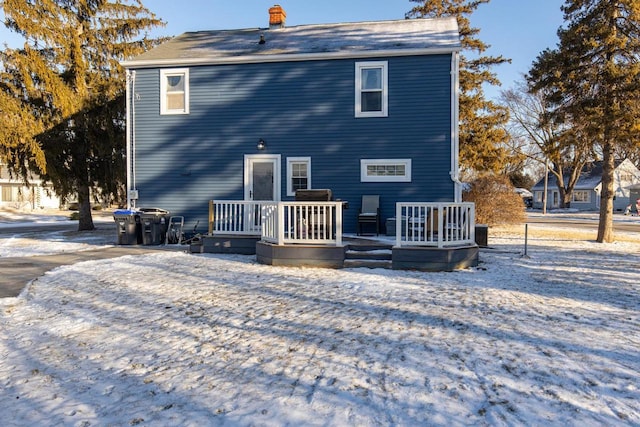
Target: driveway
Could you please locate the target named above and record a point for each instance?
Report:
(17, 272)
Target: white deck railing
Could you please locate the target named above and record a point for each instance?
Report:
(278, 222)
(422, 224)
(435, 224)
(303, 222)
(235, 217)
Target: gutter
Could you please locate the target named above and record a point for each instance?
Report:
(455, 128)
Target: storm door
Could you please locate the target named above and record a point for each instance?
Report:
(262, 177)
(261, 183)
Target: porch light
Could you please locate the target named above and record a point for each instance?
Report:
(261, 144)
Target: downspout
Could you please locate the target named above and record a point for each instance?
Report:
(455, 130)
(134, 191)
(128, 137)
(132, 195)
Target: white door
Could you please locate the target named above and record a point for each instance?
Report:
(262, 177)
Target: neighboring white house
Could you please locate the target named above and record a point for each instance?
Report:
(15, 194)
(587, 192)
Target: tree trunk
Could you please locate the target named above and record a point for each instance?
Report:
(566, 198)
(85, 221)
(605, 225)
(611, 112)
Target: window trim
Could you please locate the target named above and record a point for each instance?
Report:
(364, 163)
(384, 65)
(163, 90)
(573, 196)
(290, 162)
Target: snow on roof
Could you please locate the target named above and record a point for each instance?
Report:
(399, 37)
(523, 192)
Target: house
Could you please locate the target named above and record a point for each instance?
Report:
(228, 128)
(15, 194)
(256, 114)
(586, 194)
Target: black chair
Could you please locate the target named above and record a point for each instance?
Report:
(369, 213)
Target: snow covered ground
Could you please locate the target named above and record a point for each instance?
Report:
(177, 339)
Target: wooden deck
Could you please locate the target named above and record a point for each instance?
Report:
(355, 252)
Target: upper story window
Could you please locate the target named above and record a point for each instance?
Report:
(626, 176)
(298, 174)
(371, 89)
(174, 91)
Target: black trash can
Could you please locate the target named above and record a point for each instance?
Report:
(128, 226)
(154, 225)
(482, 235)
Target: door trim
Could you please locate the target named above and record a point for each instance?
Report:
(277, 179)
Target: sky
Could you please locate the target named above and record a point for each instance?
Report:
(516, 29)
(171, 338)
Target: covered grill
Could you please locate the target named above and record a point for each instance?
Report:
(317, 195)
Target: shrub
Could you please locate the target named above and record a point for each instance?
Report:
(496, 201)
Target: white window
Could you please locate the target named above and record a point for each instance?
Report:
(298, 174)
(371, 89)
(538, 196)
(385, 170)
(7, 194)
(174, 91)
(581, 196)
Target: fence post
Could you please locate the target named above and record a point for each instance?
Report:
(442, 217)
(338, 208)
(472, 223)
(211, 217)
(280, 222)
(399, 223)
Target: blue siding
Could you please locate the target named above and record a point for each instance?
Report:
(299, 109)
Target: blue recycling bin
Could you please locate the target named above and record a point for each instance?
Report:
(128, 227)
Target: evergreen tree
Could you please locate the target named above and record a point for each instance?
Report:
(482, 132)
(592, 79)
(18, 148)
(65, 91)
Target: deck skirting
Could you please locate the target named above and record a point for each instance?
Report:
(434, 259)
(226, 244)
(301, 255)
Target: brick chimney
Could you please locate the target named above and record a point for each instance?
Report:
(277, 16)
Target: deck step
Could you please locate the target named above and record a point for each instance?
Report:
(380, 254)
(368, 256)
(369, 247)
(367, 263)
